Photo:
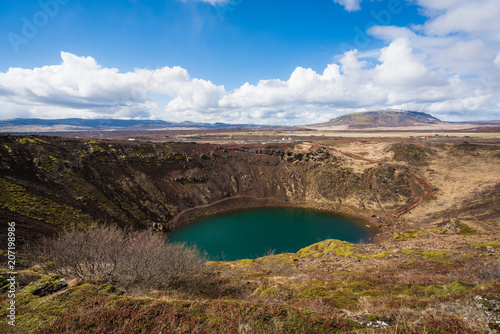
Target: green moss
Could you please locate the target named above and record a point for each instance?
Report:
(355, 287)
(434, 290)
(454, 288)
(407, 251)
(19, 200)
(441, 256)
(401, 288)
(466, 230)
(48, 163)
(459, 287)
(495, 244)
(8, 149)
(372, 293)
(342, 300)
(383, 255)
(267, 292)
(314, 293)
(244, 262)
(406, 235)
(336, 247)
(41, 282)
(31, 140)
(32, 311)
(417, 288)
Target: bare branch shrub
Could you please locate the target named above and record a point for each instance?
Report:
(133, 260)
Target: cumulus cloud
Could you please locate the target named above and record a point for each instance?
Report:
(477, 18)
(400, 79)
(82, 86)
(401, 67)
(349, 5)
(447, 66)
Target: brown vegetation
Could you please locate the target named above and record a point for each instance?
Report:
(435, 269)
(134, 260)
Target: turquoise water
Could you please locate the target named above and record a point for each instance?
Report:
(252, 233)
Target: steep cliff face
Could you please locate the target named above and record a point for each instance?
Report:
(61, 181)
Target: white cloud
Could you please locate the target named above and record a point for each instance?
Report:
(401, 67)
(448, 66)
(81, 86)
(401, 78)
(497, 61)
(349, 5)
(477, 18)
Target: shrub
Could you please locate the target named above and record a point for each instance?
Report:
(135, 260)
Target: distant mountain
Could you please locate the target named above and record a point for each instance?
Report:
(24, 124)
(382, 118)
(93, 123)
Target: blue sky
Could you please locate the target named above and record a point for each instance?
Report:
(268, 62)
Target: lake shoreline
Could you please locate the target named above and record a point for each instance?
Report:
(250, 233)
(243, 202)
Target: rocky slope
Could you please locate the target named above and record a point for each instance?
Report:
(58, 181)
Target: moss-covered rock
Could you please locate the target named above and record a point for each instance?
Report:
(494, 244)
(435, 255)
(454, 288)
(434, 290)
(267, 292)
(406, 235)
(383, 255)
(329, 247)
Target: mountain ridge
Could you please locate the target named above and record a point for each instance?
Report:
(100, 123)
(382, 118)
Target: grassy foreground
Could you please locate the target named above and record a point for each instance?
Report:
(329, 287)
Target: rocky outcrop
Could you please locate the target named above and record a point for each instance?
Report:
(50, 287)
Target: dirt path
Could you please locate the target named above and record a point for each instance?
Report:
(233, 202)
(432, 190)
(269, 200)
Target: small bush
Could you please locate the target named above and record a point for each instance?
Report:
(134, 260)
